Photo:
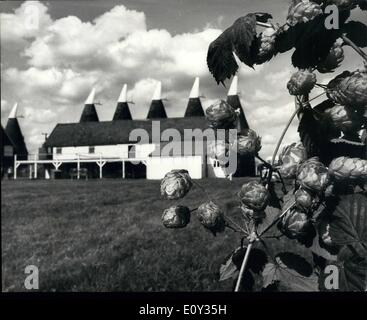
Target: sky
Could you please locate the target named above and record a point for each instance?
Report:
(49, 67)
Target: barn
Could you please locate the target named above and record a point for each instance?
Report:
(116, 149)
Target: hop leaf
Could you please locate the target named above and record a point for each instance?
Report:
(239, 38)
(292, 272)
(176, 184)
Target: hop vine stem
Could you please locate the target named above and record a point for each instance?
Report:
(288, 125)
(254, 236)
(355, 47)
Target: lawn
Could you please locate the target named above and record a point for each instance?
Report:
(106, 235)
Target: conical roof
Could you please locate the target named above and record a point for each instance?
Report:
(194, 107)
(234, 100)
(14, 133)
(157, 109)
(89, 112)
(122, 111)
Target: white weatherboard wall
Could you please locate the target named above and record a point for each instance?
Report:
(109, 151)
(157, 167)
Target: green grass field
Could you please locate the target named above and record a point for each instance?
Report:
(106, 235)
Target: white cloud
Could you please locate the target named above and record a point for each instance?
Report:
(28, 21)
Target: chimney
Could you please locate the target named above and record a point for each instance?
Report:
(157, 109)
(122, 109)
(194, 107)
(89, 113)
(15, 134)
(234, 100)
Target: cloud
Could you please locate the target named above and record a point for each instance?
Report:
(27, 22)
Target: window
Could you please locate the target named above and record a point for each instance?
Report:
(58, 150)
(8, 151)
(91, 149)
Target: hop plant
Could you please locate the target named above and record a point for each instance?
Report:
(352, 169)
(349, 89)
(176, 184)
(211, 217)
(345, 118)
(221, 116)
(301, 82)
(303, 199)
(289, 159)
(176, 217)
(254, 196)
(266, 45)
(302, 12)
(313, 175)
(296, 225)
(333, 59)
(343, 4)
(248, 143)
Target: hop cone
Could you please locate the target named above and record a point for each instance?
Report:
(303, 199)
(211, 217)
(349, 89)
(304, 11)
(333, 60)
(313, 175)
(289, 159)
(266, 45)
(344, 168)
(176, 217)
(345, 118)
(221, 116)
(219, 150)
(296, 225)
(176, 184)
(254, 195)
(250, 214)
(249, 143)
(301, 82)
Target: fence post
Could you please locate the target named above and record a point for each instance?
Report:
(15, 167)
(78, 168)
